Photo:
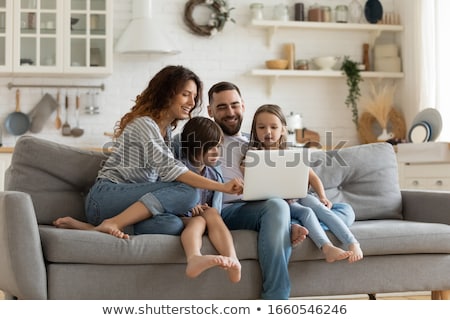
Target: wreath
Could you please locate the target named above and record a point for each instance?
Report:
(220, 14)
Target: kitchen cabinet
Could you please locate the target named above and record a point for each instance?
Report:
(424, 175)
(52, 37)
(5, 161)
(5, 35)
(274, 26)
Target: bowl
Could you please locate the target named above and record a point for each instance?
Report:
(277, 64)
(325, 63)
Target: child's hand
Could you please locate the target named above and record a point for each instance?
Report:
(197, 210)
(326, 202)
(234, 186)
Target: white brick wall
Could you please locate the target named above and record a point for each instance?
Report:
(229, 55)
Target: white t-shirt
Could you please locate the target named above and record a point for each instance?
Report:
(233, 151)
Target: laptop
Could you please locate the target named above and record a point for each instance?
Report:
(275, 174)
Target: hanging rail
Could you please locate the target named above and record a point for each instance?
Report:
(57, 86)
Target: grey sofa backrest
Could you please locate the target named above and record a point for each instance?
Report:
(365, 176)
(56, 176)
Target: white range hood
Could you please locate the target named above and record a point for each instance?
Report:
(143, 35)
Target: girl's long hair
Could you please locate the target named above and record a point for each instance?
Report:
(158, 95)
(278, 112)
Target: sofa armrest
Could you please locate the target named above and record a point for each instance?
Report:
(426, 206)
(22, 267)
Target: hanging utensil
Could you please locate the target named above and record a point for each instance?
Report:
(17, 123)
(77, 131)
(41, 112)
(58, 121)
(66, 125)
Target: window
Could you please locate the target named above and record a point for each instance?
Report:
(435, 60)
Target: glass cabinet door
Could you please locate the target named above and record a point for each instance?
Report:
(5, 35)
(89, 39)
(39, 41)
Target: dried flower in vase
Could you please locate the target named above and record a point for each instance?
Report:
(379, 104)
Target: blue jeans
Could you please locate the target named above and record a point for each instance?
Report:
(310, 212)
(165, 200)
(271, 219)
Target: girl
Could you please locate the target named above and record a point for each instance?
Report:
(269, 132)
(200, 142)
(141, 183)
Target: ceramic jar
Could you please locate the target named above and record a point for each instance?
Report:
(257, 11)
(315, 13)
(341, 13)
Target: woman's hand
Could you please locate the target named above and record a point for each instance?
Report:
(234, 186)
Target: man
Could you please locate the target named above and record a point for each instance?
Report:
(270, 218)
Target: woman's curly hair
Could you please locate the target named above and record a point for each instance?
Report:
(158, 95)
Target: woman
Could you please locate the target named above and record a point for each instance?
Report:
(141, 183)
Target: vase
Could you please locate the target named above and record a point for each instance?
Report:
(385, 135)
(373, 11)
(355, 11)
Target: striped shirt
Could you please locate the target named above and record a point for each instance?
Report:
(141, 154)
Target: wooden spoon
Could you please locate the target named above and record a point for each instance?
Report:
(77, 131)
(58, 121)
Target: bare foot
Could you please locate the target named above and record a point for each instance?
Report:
(234, 270)
(111, 228)
(71, 223)
(197, 264)
(356, 251)
(333, 253)
(298, 234)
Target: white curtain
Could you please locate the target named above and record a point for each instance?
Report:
(433, 59)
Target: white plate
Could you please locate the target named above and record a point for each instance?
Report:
(419, 133)
(433, 118)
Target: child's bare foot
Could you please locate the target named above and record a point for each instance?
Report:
(111, 228)
(197, 264)
(234, 270)
(71, 223)
(356, 251)
(298, 234)
(333, 253)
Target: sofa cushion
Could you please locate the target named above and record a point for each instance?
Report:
(377, 237)
(80, 246)
(56, 176)
(365, 176)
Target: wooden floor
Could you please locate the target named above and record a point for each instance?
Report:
(393, 296)
(423, 295)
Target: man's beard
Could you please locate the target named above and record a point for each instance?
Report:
(230, 131)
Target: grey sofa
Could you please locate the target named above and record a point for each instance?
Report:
(405, 236)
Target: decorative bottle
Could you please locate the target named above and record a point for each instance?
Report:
(355, 11)
(373, 10)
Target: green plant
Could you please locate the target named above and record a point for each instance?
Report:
(352, 72)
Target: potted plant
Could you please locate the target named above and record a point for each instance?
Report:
(352, 72)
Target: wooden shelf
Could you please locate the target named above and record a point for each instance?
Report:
(375, 30)
(274, 75)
